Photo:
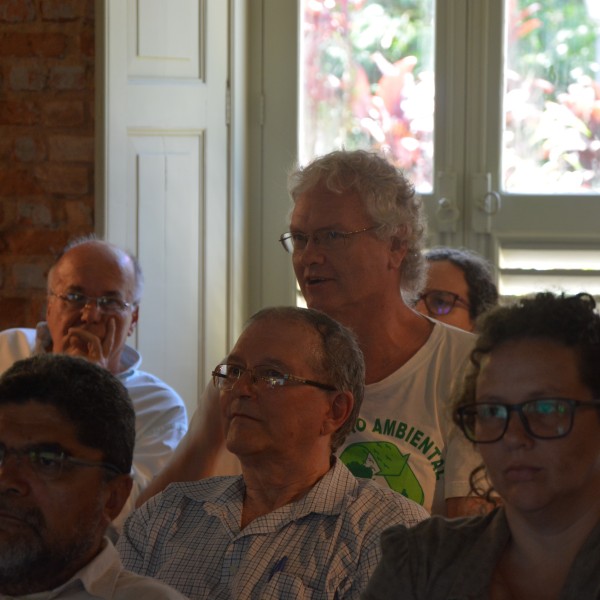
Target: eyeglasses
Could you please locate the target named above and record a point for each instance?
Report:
(49, 461)
(440, 302)
(226, 376)
(326, 239)
(105, 304)
(543, 418)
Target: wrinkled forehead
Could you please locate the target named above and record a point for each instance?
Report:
(102, 267)
(329, 208)
(290, 341)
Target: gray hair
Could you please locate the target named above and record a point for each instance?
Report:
(388, 196)
(86, 239)
(340, 357)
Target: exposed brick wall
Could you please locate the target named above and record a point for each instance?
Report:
(46, 144)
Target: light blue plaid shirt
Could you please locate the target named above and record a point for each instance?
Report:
(325, 545)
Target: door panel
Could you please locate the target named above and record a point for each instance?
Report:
(166, 176)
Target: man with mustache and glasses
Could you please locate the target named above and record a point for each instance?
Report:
(67, 430)
(94, 292)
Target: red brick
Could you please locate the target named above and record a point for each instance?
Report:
(63, 113)
(29, 149)
(18, 113)
(12, 312)
(87, 43)
(36, 241)
(29, 277)
(80, 214)
(28, 77)
(6, 145)
(8, 214)
(68, 77)
(70, 148)
(17, 11)
(33, 44)
(60, 179)
(17, 182)
(35, 213)
(62, 10)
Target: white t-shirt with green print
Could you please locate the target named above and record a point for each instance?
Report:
(404, 437)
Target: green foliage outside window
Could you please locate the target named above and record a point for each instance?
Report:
(368, 72)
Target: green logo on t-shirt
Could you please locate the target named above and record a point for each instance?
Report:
(370, 459)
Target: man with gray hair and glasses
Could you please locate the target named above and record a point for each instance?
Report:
(94, 292)
(67, 431)
(296, 524)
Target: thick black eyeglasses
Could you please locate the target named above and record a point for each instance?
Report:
(105, 304)
(328, 240)
(440, 302)
(226, 376)
(543, 418)
(49, 461)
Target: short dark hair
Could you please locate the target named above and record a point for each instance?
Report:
(568, 320)
(341, 358)
(90, 397)
(483, 293)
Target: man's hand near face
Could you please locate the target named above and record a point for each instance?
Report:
(81, 342)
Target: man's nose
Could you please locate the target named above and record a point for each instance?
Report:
(13, 476)
(313, 252)
(91, 311)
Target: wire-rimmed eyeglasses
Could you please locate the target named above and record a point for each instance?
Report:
(542, 418)
(105, 304)
(297, 241)
(226, 376)
(441, 302)
(49, 461)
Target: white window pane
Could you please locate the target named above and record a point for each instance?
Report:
(551, 138)
(524, 270)
(367, 81)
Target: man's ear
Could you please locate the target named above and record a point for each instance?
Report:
(339, 412)
(398, 250)
(134, 319)
(117, 491)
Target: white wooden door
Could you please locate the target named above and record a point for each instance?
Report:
(164, 194)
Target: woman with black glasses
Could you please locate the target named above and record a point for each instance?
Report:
(531, 405)
(460, 287)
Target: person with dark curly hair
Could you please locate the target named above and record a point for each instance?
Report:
(531, 406)
(460, 287)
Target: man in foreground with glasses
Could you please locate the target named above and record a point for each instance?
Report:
(296, 524)
(94, 291)
(67, 430)
(460, 287)
(531, 405)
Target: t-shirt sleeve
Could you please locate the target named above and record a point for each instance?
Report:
(392, 577)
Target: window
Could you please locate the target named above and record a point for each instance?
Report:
(367, 79)
(506, 75)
